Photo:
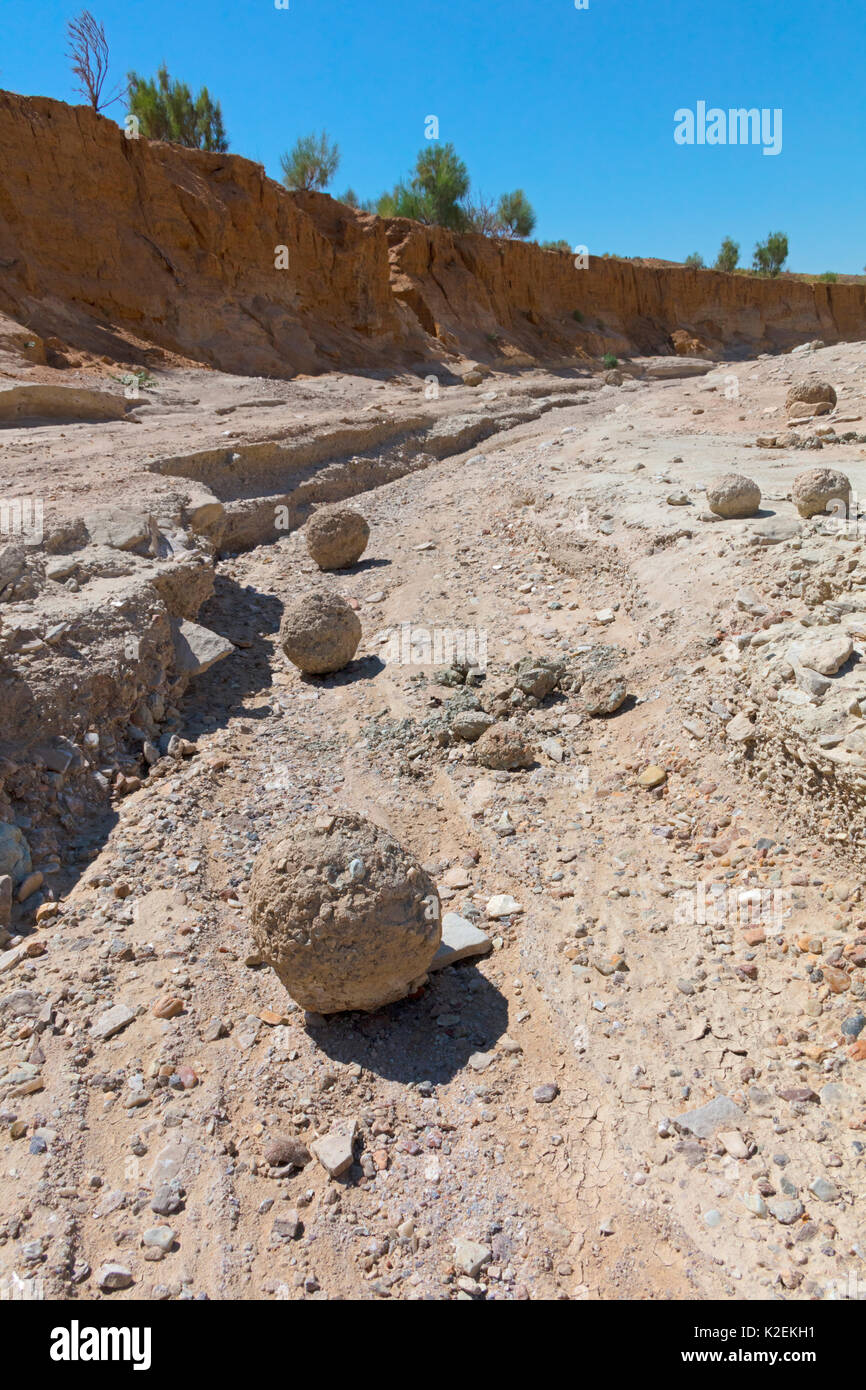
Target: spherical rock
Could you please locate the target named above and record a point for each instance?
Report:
(812, 392)
(503, 748)
(344, 914)
(733, 495)
(320, 633)
(815, 488)
(603, 694)
(613, 378)
(336, 538)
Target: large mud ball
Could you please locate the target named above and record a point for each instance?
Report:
(812, 393)
(344, 914)
(320, 633)
(336, 538)
(817, 488)
(503, 748)
(733, 496)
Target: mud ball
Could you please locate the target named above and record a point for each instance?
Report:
(336, 538)
(320, 633)
(815, 489)
(603, 694)
(733, 495)
(344, 914)
(812, 392)
(504, 748)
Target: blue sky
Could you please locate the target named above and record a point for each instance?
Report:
(575, 106)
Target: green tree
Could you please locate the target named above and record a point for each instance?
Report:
(433, 193)
(729, 255)
(829, 277)
(311, 164)
(515, 214)
(695, 261)
(166, 111)
(560, 245)
(770, 255)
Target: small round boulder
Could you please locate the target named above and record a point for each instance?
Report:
(603, 694)
(336, 538)
(733, 496)
(814, 489)
(503, 748)
(812, 392)
(320, 633)
(344, 914)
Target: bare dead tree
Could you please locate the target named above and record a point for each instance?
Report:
(482, 215)
(88, 49)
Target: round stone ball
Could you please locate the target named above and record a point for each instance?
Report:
(336, 538)
(343, 913)
(603, 694)
(733, 495)
(814, 489)
(812, 392)
(320, 633)
(504, 748)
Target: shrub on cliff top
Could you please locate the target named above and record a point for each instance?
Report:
(165, 110)
(311, 164)
(729, 255)
(433, 193)
(770, 255)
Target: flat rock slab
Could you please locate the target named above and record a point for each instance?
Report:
(111, 1022)
(822, 654)
(460, 939)
(32, 404)
(470, 1256)
(196, 648)
(335, 1149)
(708, 1119)
(112, 1277)
(168, 1164)
(773, 530)
(120, 530)
(502, 905)
(668, 368)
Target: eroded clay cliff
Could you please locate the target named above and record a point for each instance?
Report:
(106, 240)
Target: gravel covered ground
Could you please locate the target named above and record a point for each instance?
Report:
(650, 1086)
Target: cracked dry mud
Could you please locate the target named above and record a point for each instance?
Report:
(522, 1127)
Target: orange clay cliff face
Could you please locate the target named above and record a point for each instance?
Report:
(104, 237)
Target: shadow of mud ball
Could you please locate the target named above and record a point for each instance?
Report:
(344, 914)
(336, 538)
(504, 748)
(815, 489)
(320, 633)
(733, 495)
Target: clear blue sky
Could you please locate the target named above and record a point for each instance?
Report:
(575, 106)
